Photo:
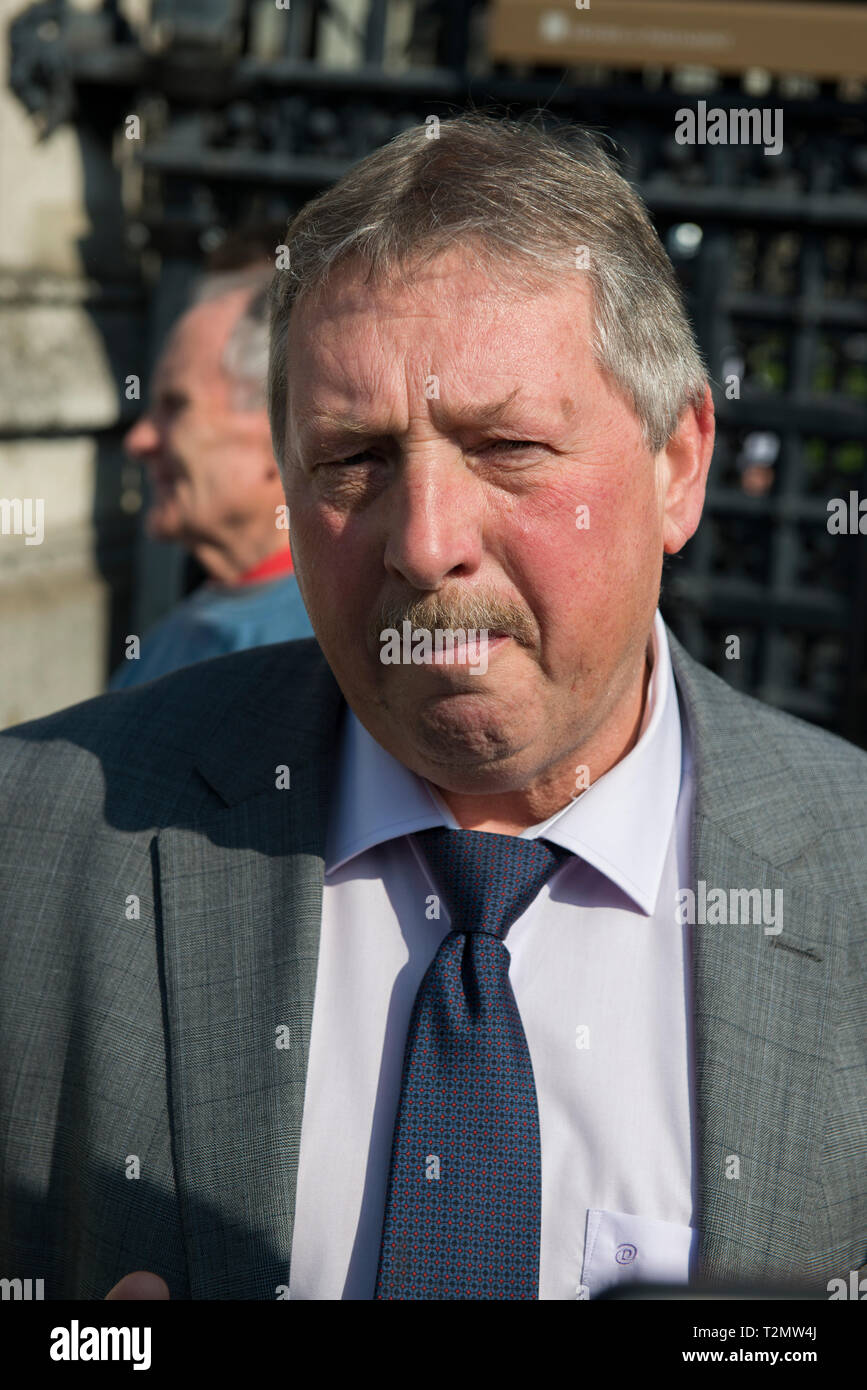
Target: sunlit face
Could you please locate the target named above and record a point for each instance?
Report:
(209, 464)
(441, 440)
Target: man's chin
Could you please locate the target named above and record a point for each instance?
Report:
(463, 734)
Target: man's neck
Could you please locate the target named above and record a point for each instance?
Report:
(226, 564)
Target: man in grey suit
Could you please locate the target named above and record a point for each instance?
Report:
(218, 914)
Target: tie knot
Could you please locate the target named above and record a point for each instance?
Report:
(487, 880)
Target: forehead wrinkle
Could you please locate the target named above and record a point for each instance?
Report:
(487, 414)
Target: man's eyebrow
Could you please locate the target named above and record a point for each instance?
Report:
(332, 421)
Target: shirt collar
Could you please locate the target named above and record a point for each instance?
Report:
(280, 562)
(621, 824)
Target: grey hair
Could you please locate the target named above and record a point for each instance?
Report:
(533, 203)
(245, 356)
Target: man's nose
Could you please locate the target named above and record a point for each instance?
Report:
(434, 526)
(142, 438)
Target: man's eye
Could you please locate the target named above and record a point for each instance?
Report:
(501, 444)
(512, 444)
(351, 458)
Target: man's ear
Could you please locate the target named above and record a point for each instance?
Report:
(682, 472)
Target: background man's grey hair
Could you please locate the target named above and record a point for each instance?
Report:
(245, 357)
(523, 201)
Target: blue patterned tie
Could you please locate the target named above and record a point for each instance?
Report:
(463, 1206)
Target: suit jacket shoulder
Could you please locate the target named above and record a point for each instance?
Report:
(782, 788)
(130, 756)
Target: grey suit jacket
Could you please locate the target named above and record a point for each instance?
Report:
(160, 905)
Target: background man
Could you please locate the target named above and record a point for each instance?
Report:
(377, 971)
(216, 488)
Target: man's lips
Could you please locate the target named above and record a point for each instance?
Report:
(470, 652)
(404, 641)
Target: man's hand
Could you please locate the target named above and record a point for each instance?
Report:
(141, 1285)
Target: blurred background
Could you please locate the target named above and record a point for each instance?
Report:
(244, 109)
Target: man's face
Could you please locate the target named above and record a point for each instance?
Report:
(207, 461)
(473, 520)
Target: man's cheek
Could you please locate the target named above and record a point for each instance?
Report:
(585, 553)
(329, 585)
(616, 533)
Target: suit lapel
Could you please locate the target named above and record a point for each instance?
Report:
(760, 999)
(241, 899)
(760, 1014)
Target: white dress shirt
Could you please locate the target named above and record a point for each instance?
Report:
(601, 976)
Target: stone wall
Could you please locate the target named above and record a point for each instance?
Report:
(71, 317)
